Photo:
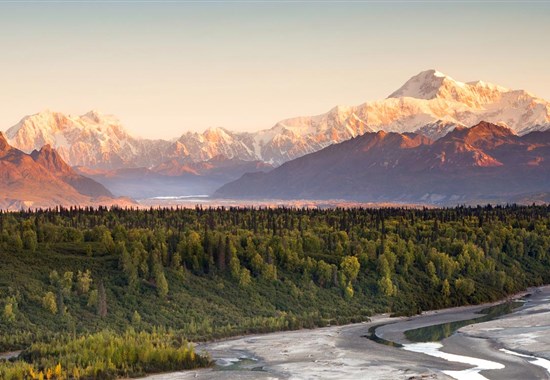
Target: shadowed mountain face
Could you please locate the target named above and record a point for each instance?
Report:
(51, 160)
(484, 163)
(43, 179)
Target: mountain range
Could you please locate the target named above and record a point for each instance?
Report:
(485, 163)
(430, 105)
(43, 179)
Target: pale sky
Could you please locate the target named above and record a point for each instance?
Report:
(167, 67)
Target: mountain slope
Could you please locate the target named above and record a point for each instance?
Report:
(485, 162)
(52, 161)
(43, 180)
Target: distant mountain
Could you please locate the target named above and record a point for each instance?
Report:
(92, 140)
(285, 141)
(218, 165)
(99, 141)
(43, 179)
(485, 163)
(429, 103)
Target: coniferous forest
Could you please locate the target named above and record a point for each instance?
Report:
(106, 293)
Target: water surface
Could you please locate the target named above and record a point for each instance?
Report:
(439, 332)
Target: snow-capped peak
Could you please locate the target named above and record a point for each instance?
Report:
(216, 131)
(100, 118)
(432, 84)
(93, 139)
(94, 115)
(426, 85)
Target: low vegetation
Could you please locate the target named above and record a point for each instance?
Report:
(104, 355)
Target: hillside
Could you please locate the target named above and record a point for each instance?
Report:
(485, 163)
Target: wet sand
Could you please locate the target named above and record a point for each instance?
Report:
(338, 352)
(341, 352)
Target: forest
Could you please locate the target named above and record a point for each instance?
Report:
(110, 292)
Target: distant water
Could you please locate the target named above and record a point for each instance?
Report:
(180, 197)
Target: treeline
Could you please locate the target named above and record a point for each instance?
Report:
(210, 273)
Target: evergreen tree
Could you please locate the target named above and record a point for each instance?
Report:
(101, 300)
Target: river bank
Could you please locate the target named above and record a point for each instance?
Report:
(342, 352)
(514, 346)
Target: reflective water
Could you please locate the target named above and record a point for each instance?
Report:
(242, 363)
(372, 336)
(437, 333)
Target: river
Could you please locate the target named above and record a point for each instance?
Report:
(513, 346)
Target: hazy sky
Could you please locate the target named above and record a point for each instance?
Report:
(168, 67)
